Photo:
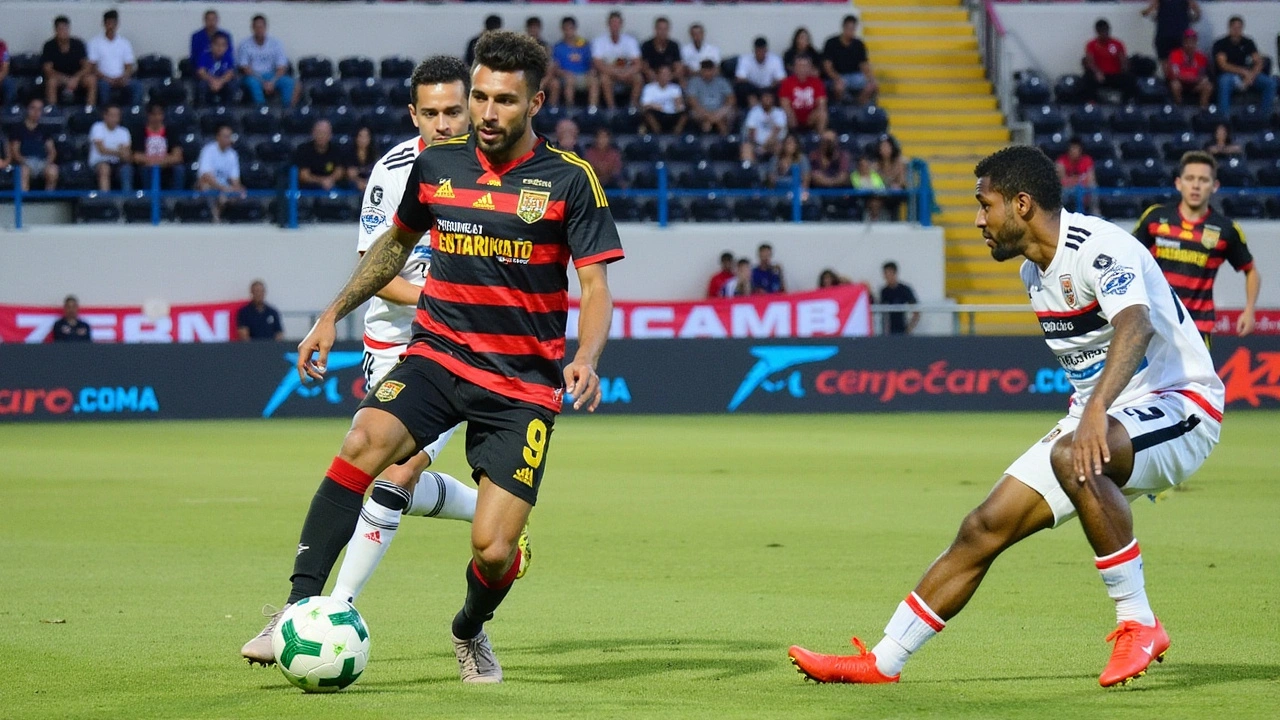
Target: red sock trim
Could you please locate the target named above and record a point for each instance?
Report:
(504, 581)
(349, 476)
(923, 612)
(1119, 557)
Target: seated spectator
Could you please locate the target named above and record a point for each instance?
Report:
(829, 279)
(7, 89)
(1223, 146)
(896, 293)
(217, 73)
(111, 151)
(264, 66)
(69, 327)
(741, 285)
(533, 28)
(865, 177)
(764, 128)
(65, 62)
(697, 50)
(1189, 71)
(1075, 170)
(220, 170)
(31, 148)
(364, 155)
(491, 22)
(892, 169)
(766, 277)
(113, 64)
(573, 68)
(605, 159)
(1106, 64)
(567, 135)
(757, 71)
(658, 52)
(716, 287)
(321, 165)
(710, 98)
(801, 46)
(202, 39)
(1240, 67)
(847, 66)
(616, 56)
(789, 157)
(804, 98)
(550, 83)
(662, 104)
(158, 147)
(256, 320)
(829, 163)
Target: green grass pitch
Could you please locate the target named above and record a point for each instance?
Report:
(675, 561)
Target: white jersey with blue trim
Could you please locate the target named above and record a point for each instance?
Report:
(1098, 271)
(388, 323)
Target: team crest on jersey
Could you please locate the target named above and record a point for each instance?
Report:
(1209, 236)
(445, 189)
(1068, 289)
(375, 195)
(532, 205)
(388, 390)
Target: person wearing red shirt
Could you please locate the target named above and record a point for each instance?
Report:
(1189, 70)
(715, 288)
(804, 97)
(1075, 170)
(1106, 64)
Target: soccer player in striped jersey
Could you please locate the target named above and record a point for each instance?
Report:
(1191, 240)
(1146, 412)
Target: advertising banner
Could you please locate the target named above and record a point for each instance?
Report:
(1265, 322)
(205, 322)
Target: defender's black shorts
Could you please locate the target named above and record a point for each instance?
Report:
(507, 440)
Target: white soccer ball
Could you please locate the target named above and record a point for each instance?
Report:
(321, 644)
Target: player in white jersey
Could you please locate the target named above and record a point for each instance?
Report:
(1146, 412)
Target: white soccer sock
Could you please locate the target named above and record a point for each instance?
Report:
(1122, 574)
(911, 626)
(442, 496)
(374, 531)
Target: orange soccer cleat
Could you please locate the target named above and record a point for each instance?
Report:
(1136, 646)
(860, 668)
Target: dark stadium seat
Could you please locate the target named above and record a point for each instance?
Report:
(589, 121)
(1098, 145)
(138, 210)
(26, 65)
(1244, 207)
(677, 210)
(1139, 146)
(1234, 172)
(367, 93)
(1269, 174)
(314, 67)
(685, 148)
(1264, 147)
(344, 120)
(624, 209)
(641, 175)
(624, 121)
(842, 208)
(545, 121)
(1151, 91)
(1250, 119)
(154, 66)
(1110, 173)
(191, 145)
(397, 92)
(645, 148)
(76, 176)
(1150, 173)
(1119, 208)
(754, 209)
(336, 210)
(1069, 90)
(299, 121)
(275, 150)
(843, 118)
(7, 178)
(382, 119)
(261, 121)
(94, 209)
(244, 210)
(1088, 119)
(1205, 121)
(1272, 205)
(712, 208)
(743, 176)
(1053, 145)
(81, 119)
(725, 149)
(1129, 119)
(180, 119)
(1045, 119)
(211, 118)
(1032, 90)
(192, 210)
(70, 146)
(326, 93)
(186, 70)
(396, 68)
(258, 175)
(278, 212)
(356, 67)
(871, 119)
(1143, 66)
(168, 91)
(1180, 144)
(700, 177)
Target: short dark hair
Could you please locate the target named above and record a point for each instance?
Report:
(696, 25)
(110, 106)
(210, 11)
(726, 255)
(70, 298)
(743, 261)
(61, 20)
(764, 246)
(1101, 25)
(615, 14)
(438, 70)
(533, 20)
(110, 15)
(1198, 157)
(661, 19)
(258, 17)
(493, 22)
(890, 265)
(849, 19)
(506, 51)
(1075, 140)
(569, 19)
(760, 42)
(155, 105)
(707, 63)
(1235, 19)
(218, 128)
(1023, 169)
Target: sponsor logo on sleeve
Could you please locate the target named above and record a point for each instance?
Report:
(1102, 262)
(1116, 281)
(375, 195)
(372, 218)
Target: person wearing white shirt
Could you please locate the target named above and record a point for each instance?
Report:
(113, 63)
(697, 49)
(110, 150)
(616, 57)
(764, 128)
(662, 103)
(220, 169)
(265, 66)
(760, 70)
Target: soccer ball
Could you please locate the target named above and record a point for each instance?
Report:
(321, 644)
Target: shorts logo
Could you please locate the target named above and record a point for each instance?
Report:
(372, 218)
(524, 475)
(1052, 434)
(375, 195)
(1209, 236)
(388, 390)
(1068, 289)
(444, 190)
(532, 205)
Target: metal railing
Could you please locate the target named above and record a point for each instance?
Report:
(998, 61)
(1082, 198)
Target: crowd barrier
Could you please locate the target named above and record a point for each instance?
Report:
(257, 380)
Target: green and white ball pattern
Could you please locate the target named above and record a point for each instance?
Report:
(321, 644)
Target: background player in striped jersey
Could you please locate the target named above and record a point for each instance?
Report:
(1190, 241)
(1146, 412)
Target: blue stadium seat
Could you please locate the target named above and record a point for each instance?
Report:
(1244, 207)
(356, 67)
(261, 121)
(725, 149)
(314, 67)
(645, 148)
(843, 118)
(1069, 90)
(257, 175)
(1139, 147)
(624, 121)
(192, 210)
(544, 123)
(1269, 174)
(95, 209)
(1044, 119)
(1129, 119)
(842, 208)
(677, 210)
(700, 177)
(70, 146)
(299, 121)
(682, 148)
(396, 68)
(275, 150)
(1182, 143)
(754, 209)
(1053, 145)
(244, 210)
(7, 178)
(1143, 66)
(1264, 147)
(154, 66)
(325, 93)
(26, 65)
(1149, 172)
(590, 120)
(1110, 173)
(382, 119)
(1250, 119)
(191, 145)
(641, 175)
(1151, 91)
(344, 120)
(871, 119)
(1273, 207)
(712, 208)
(211, 118)
(180, 119)
(1205, 121)
(1234, 172)
(366, 93)
(1032, 90)
(1098, 145)
(1088, 119)
(76, 176)
(167, 91)
(81, 119)
(743, 176)
(397, 91)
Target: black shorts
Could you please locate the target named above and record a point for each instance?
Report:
(507, 440)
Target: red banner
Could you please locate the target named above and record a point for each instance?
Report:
(1265, 322)
(841, 311)
(204, 322)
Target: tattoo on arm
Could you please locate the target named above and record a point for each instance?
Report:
(1128, 348)
(383, 261)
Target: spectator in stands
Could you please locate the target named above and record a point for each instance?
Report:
(710, 98)
(790, 156)
(716, 286)
(605, 159)
(1189, 71)
(321, 165)
(533, 28)
(829, 279)
(265, 66)
(658, 51)
(804, 98)
(741, 285)
(847, 66)
(1240, 67)
(766, 277)
(829, 163)
(69, 327)
(892, 168)
(7, 89)
(111, 151)
(364, 155)
(1173, 19)
(694, 52)
(1223, 146)
(567, 135)
(65, 62)
(114, 63)
(801, 46)
(896, 293)
(573, 69)
(491, 22)
(158, 147)
(1106, 64)
(1075, 170)
(217, 72)
(616, 56)
(865, 177)
(256, 320)
(757, 71)
(31, 148)
(763, 130)
(662, 104)
(220, 169)
(202, 39)
(550, 83)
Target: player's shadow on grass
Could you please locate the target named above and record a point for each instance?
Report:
(617, 659)
(1197, 674)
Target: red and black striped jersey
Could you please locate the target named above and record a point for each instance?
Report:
(495, 304)
(1190, 253)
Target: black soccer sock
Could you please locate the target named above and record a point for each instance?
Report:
(482, 599)
(332, 518)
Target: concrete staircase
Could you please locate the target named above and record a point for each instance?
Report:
(943, 110)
